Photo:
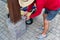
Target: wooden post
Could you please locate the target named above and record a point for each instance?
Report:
(14, 10)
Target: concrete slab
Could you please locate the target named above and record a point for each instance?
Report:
(16, 30)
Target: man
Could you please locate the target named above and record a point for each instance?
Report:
(52, 7)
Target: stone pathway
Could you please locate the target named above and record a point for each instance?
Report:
(32, 30)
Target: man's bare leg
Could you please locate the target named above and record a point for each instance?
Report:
(46, 24)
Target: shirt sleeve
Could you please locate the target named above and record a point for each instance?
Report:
(29, 8)
(39, 7)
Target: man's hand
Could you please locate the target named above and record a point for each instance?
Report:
(27, 18)
(23, 13)
(28, 15)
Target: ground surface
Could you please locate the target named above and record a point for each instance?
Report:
(32, 30)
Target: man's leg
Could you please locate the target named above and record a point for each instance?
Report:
(48, 16)
(46, 24)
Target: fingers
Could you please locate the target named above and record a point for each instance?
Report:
(27, 18)
(26, 14)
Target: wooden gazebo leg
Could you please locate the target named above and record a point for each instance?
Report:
(14, 10)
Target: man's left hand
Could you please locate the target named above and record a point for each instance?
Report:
(28, 15)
